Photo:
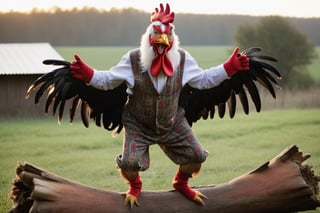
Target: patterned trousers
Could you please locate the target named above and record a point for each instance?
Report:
(178, 143)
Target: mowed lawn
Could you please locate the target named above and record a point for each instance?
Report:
(235, 147)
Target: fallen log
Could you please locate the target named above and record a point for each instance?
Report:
(283, 184)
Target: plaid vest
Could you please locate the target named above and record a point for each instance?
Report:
(154, 111)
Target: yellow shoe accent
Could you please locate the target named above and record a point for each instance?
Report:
(198, 198)
(131, 200)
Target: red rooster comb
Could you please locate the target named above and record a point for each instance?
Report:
(163, 15)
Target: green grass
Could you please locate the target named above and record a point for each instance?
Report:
(99, 57)
(235, 147)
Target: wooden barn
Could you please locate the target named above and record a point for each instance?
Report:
(20, 65)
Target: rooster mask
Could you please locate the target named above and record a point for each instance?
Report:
(159, 39)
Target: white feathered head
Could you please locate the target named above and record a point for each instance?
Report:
(159, 44)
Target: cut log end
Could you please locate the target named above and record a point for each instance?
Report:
(284, 184)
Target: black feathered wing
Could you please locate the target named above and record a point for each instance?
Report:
(104, 107)
(203, 103)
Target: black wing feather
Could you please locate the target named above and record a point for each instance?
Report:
(266, 66)
(232, 104)
(244, 101)
(254, 93)
(85, 111)
(43, 88)
(264, 81)
(98, 105)
(56, 62)
(251, 50)
(73, 107)
(221, 109)
(97, 119)
(264, 57)
(197, 103)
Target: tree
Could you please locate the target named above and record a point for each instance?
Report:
(276, 36)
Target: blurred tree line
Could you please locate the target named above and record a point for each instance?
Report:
(92, 27)
(282, 40)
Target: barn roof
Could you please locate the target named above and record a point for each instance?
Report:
(26, 58)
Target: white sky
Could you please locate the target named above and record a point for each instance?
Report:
(294, 8)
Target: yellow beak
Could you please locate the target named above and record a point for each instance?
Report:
(163, 39)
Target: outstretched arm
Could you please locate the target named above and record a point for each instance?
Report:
(105, 80)
(212, 77)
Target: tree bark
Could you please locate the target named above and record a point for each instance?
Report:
(283, 184)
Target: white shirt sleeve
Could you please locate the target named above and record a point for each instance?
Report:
(202, 78)
(109, 79)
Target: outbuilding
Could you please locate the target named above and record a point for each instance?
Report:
(20, 65)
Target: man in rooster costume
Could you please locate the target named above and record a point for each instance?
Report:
(155, 74)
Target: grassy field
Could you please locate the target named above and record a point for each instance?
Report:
(235, 147)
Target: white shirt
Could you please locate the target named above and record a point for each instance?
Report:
(193, 75)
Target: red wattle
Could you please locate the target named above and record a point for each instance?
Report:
(167, 66)
(161, 62)
(156, 66)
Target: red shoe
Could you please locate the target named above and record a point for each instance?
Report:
(135, 186)
(180, 183)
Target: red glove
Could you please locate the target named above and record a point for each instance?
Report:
(236, 63)
(79, 69)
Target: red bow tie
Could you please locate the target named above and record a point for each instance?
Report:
(161, 62)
